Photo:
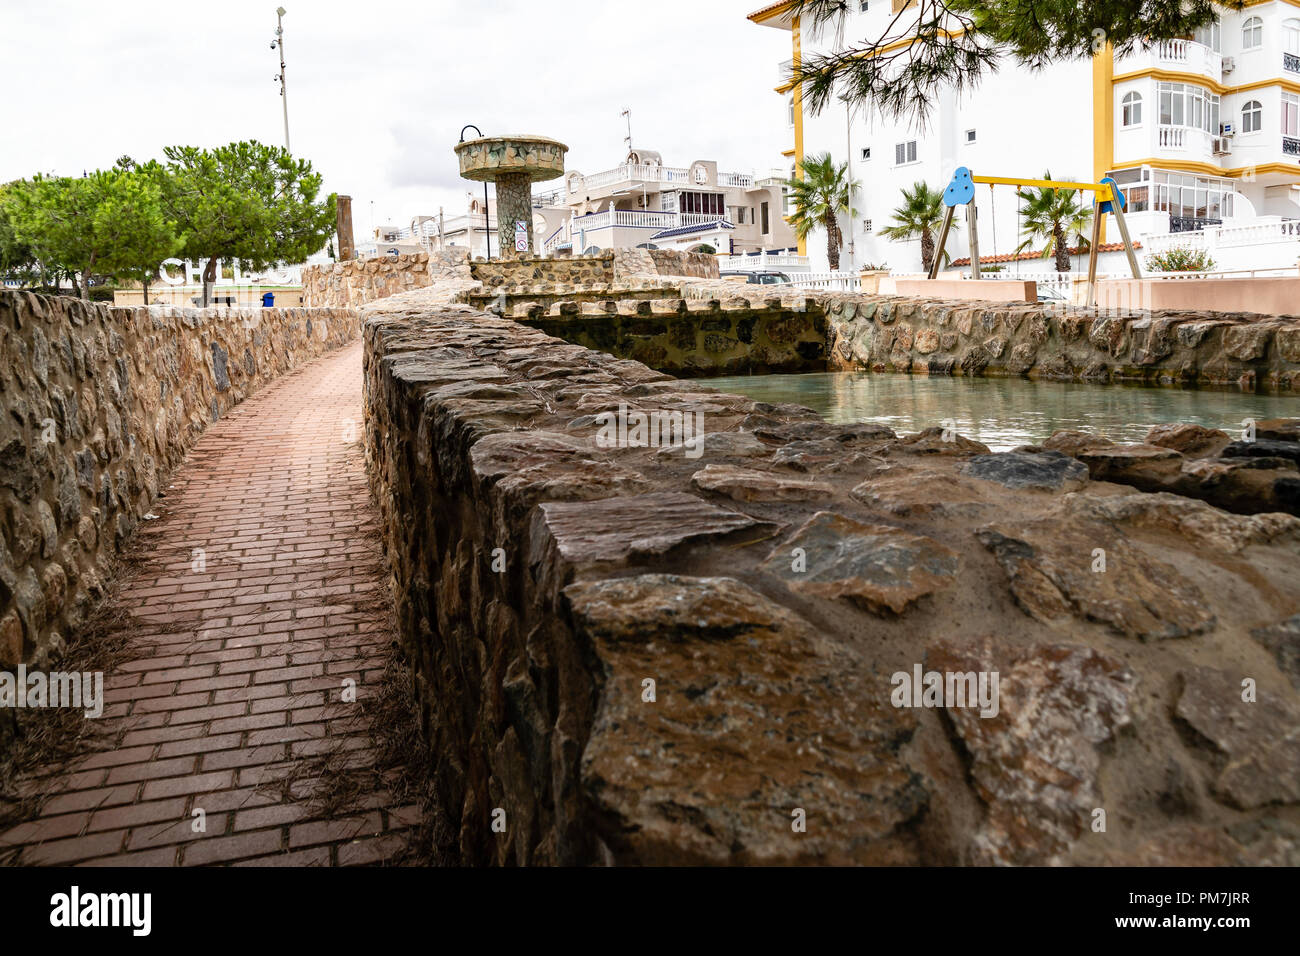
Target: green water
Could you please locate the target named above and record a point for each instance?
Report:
(1005, 412)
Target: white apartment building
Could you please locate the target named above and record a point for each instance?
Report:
(643, 202)
(1202, 133)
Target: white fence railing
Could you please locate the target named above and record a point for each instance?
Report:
(1279, 232)
(763, 262)
(1222, 274)
(828, 281)
(640, 219)
(654, 173)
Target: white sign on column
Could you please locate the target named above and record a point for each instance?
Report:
(521, 236)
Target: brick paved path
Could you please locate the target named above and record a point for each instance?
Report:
(238, 667)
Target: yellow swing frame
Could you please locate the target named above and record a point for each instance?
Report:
(1108, 199)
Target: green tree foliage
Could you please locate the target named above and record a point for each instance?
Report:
(244, 201)
(817, 200)
(933, 44)
(1054, 215)
(17, 260)
(919, 217)
(110, 222)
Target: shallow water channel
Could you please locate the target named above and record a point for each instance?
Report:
(1006, 412)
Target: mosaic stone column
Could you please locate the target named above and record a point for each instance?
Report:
(514, 163)
(514, 204)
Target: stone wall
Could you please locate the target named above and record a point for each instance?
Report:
(635, 654)
(344, 285)
(101, 404)
(665, 262)
(1065, 344)
(691, 338)
(497, 273)
(672, 262)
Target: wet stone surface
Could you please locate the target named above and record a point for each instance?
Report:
(649, 653)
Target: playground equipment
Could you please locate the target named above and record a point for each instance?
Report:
(1109, 198)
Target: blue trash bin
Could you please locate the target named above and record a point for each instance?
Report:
(268, 300)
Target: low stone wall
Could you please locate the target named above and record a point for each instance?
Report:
(345, 285)
(629, 651)
(497, 273)
(695, 337)
(671, 262)
(101, 403)
(1063, 344)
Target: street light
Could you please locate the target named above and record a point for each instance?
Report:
(278, 42)
(487, 226)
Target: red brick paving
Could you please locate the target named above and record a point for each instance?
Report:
(238, 667)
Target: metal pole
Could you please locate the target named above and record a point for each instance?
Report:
(284, 90)
(1123, 231)
(943, 240)
(487, 226)
(972, 229)
(1091, 300)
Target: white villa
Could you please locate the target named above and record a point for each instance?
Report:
(1202, 133)
(642, 202)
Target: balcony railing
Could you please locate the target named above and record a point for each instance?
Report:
(1173, 137)
(763, 262)
(1191, 223)
(653, 173)
(1291, 145)
(639, 219)
(1175, 50)
(1187, 56)
(1291, 62)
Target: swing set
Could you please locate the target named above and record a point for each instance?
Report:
(1108, 198)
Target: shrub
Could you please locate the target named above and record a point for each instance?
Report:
(1180, 259)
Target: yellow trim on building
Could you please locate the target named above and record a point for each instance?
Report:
(787, 153)
(1103, 117)
(1196, 79)
(769, 12)
(1209, 169)
(796, 59)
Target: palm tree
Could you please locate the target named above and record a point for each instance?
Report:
(1054, 215)
(918, 218)
(818, 199)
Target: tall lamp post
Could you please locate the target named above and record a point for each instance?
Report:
(278, 42)
(487, 226)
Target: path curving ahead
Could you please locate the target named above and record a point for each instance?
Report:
(258, 593)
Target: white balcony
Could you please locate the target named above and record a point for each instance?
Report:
(1184, 139)
(653, 173)
(638, 219)
(1184, 56)
(764, 262)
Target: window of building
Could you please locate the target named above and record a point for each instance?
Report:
(766, 224)
(790, 106)
(711, 204)
(862, 6)
(866, 225)
(1182, 104)
(866, 152)
(1252, 117)
(1291, 36)
(1192, 197)
(970, 136)
(1208, 35)
(1290, 114)
(1132, 109)
(905, 153)
(1252, 33)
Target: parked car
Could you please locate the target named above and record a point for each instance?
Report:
(758, 278)
(1050, 295)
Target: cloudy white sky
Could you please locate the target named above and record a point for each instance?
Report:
(378, 91)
